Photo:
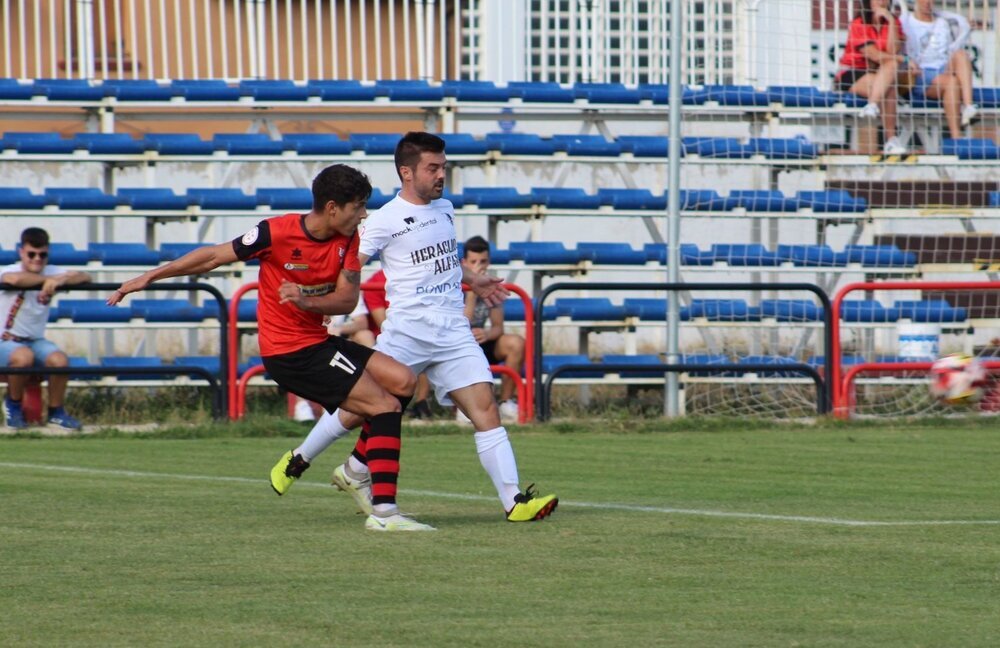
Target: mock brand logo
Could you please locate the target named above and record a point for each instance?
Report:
(250, 237)
(341, 252)
(296, 253)
(451, 218)
(296, 266)
(409, 220)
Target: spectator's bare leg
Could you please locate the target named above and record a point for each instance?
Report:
(57, 382)
(888, 105)
(961, 67)
(19, 357)
(945, 87)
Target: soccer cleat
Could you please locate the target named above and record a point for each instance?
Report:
(969, 113)
(360, 490)
(529, 506)
(286, 471)
(894, 147)
(508, 411)
(870, 111)
(13, 415)
(61, 419)
(395, 522)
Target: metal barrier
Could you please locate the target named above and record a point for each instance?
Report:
(827, 399)
(545, 403)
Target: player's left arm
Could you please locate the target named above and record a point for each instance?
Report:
(341, 301)
(490, 289)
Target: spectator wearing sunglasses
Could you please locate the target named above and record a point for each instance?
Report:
(26, 290)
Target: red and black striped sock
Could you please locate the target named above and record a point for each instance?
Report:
(383, 456)
(360, 447)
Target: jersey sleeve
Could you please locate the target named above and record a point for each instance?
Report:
(351, 261)
(255, 243)
(375, 234)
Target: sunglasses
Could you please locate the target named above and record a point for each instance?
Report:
(40, 255)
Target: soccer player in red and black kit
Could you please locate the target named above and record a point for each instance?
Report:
(309, 268)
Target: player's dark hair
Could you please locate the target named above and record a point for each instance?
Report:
(412, 145)
(863, 9)
(341, 184)
(35, 237)
(475, 244)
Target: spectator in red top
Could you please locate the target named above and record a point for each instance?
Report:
(375, 302)
(871, 64)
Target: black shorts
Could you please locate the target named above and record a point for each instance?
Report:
(847, 79)
(489, 347)
(324, 373)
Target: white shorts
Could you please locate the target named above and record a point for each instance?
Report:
(438, 344)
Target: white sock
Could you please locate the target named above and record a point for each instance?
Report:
(497, 457)
(326, 430)
(356, 467)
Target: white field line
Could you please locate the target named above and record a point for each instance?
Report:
(609, 506)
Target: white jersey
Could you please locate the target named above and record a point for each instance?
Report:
(927, 43)
(419, 254)
(23, 313)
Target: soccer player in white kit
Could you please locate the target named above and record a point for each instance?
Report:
(426, 327)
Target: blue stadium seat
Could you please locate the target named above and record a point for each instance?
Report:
(691, 255)
(744, 254)
(110, 143)
(632, 199)
(705, 200)
(707, 360)
(377, 199)
(210, 363)
(801, 97)
(317, 144)
(152, 362)
(344, 90)
(282, 198)
(221, 199)
(497, 198)
(8, 257)
(21, 198)
(276, 90)
(247, 310)
(78, 362)
(171, 251)
(986, 97)
(248, 144)
(736, 95)
(168, 310)
(877, 255)
(784, 149)
(137, 90)
(205, 90)
(409, 90)
(642, 359)
(995, 199)
(590, 309)
(613, 253)
(520, 144)
(179, 144)
(772, 360)
(867, 310)
(158, 199)
(551, 362)
(594, 145)
(836, 201)
(67, 254)
(659, 93)
(44, 143)
(93, 311)
(565, 198)
(971, 149)
(81, 198)
(457, 200)
(13, 90)
(544, 253)
(723, 310)
(846, 360)
(69, 90)
(646, 145)
(475, 91)
(791, 310)
(513, 310)
(540, 92)
(374, 143)
(918, 99)
(930, 311)
(717, 147)
(764, 200)
(810, 255)
(124, 254)
(646, 308)
(464, 144)
(607, 93)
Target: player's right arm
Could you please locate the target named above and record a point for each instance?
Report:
(195, 262)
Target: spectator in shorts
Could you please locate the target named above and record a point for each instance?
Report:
(945, 68)
(871, 64)
(30, 285)
(498, 345)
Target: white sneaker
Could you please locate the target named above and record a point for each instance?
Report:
(870, 111)
(508, 411)
(395, 522)
(460, 417)
(361, 491)
(969, 113)
(303, 411)
(894, 147)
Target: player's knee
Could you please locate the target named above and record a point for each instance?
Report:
(21, 357)
(405, 384)
(389, 404)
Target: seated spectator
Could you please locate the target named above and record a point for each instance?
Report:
(498, 346)
(870, 66)
(24, 305)
(945, 69)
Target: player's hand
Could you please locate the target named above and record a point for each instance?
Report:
(289, 292)
(50, 285)
(479, 334)
(130, 286)
(490, 289)
(883, 13)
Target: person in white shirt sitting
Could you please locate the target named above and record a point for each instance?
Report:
(938, 51)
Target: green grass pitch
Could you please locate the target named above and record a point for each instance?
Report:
(794, 536)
